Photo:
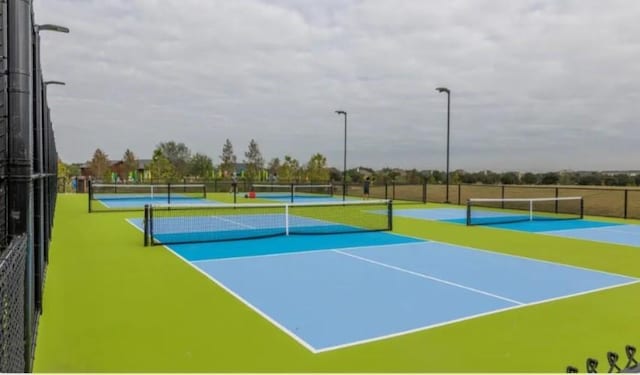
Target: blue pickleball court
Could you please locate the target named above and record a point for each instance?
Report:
(591, 230)
(333, 291)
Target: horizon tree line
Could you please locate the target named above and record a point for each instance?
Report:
(172, 161)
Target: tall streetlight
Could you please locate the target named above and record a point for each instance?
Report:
(344, 168)
(444, 89)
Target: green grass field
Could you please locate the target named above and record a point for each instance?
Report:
(112, 305)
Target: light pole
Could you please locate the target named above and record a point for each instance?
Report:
(344, 167)
(444, 89)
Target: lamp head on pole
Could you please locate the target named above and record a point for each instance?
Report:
(54, 83)
(341, 113)
(50, 27)
(443, 89)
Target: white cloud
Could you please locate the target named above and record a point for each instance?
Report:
(539, 85)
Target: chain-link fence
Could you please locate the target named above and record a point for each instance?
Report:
(28, 184)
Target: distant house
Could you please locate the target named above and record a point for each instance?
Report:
(117, 167)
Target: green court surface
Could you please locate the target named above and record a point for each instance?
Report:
(112, 305)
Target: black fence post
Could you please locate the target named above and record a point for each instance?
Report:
(502, 196)
(459, 193)
(393, 190)
(556, 199)
(424, 191)
(626, 201)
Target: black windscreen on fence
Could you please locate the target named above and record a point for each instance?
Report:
(12, 279)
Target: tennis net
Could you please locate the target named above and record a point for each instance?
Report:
(127, 196)
(488, 211)
(292, 191)
(176, 224)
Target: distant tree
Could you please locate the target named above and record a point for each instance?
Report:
(414, 177)
(289, 169)
(529, 179)
(228, 158)
(273, 166)
(387, 174)
(178, 155)
(637, 179)
(161, 168)
(354, 175)
(63, 169)
(590, 179)
(490, 178)
(509, 178)
(550, 178)
(254, 160)
(455, 177)
(437, 177)
(74, 169)
(100, 166)
(334, 174)
(201, 166)
(622, 179)
(316, 169)
(130, 161)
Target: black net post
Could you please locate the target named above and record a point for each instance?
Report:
(90, 193)
(386, 190)
(168, 192)
(424, 191)
(390, 214)
(291, 191)
(469, 212)
(393, 190)
(502, 195)
(459, 191)
(556, 208)
(582, 208)
(146, 225)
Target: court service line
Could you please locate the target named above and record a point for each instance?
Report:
(450, 283)
(302, 252)
(235, 222)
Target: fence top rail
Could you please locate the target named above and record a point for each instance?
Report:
(522, 199)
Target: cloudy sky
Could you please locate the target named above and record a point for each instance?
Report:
(535, 85)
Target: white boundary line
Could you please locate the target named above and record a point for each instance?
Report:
(432, 278)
